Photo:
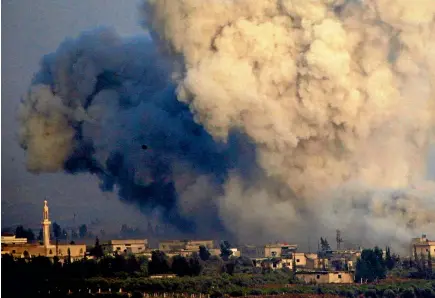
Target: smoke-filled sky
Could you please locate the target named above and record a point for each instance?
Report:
(253, 120)
(31, 29)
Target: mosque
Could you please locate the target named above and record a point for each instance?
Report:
(21, 249)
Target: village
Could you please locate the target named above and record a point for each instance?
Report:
(325, 266)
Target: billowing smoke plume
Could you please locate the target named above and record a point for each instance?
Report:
(310, 115)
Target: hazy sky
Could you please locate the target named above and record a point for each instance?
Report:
(30, 29)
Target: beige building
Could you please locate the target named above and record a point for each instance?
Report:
(184, 245)
(283, 250)
(252, 251)
(317, 263)
(24, 250)
(422, 245)
(13, 240)
(325, 277)
(129, 246)
(275, 250)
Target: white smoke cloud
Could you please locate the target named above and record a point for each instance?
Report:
(333, 94)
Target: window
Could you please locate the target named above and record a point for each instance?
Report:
(318, 276)
(13, 251)
(81, 250)
(297, 260)
(118, 248)
(50, 252)
(339, 276)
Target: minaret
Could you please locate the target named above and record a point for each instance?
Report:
(46, 225)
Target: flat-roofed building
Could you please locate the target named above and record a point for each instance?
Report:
(325, 277)
(11, 239)
(129, 246)
(273, 250)
(184, 245)
(422, 246)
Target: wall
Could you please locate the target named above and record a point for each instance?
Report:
(272, 251)
(300, 259)
(326, 277)
(252, 251)
(76, 250)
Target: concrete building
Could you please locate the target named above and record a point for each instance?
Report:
(317, 263)
(283, 250)
(25, 250)
(11, 239)
(252, 251)
(274, 250)
(184, 245)
(325, 277)
(422, 245)
(300, 259)
(129, 246)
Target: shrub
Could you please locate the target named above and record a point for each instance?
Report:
(389, 294)
(255, 292)
(370, 293)
(236, 293)
(408, 293)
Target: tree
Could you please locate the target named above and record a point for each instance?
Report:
(40, 235)
(389, 261)
(74, 234)
(370, 266)
(63, 235)
(416, 259)
(20, 232)
(97, 250)
(180, 266)
(143, 263)
(324, 245)
(159, 263)
(204, 254)
(83, 231)
(294, 264)
(195, 266)
(429, 262)
(57, 231)
(226, 251)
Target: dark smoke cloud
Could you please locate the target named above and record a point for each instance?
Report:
(126, 126)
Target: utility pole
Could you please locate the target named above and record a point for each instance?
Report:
(338, 239)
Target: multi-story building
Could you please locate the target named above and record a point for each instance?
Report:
(275, 250)
(422, 246)
(283, 250)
